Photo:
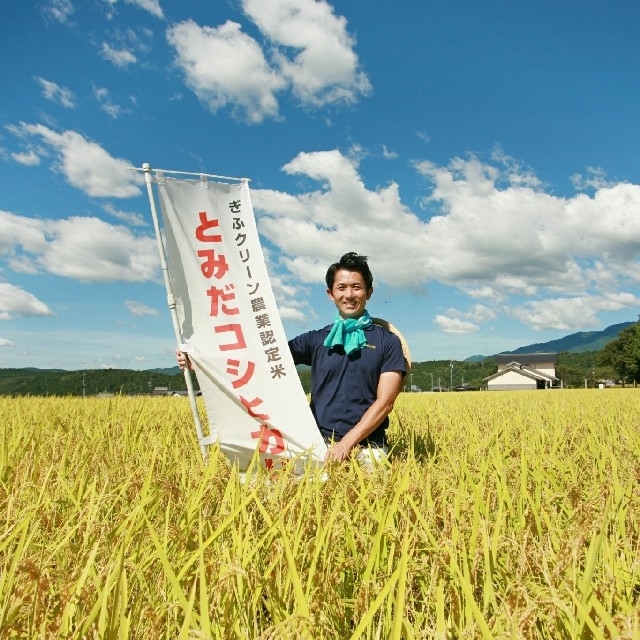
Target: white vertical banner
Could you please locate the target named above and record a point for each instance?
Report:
(230, 324)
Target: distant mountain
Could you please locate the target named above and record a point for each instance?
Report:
(171, 371)
(577, 342)
(573, 343)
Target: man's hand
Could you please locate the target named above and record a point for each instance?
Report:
(183, 360)
(338, 452)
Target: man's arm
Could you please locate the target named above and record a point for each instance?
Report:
(389, 387)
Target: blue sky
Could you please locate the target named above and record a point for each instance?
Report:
(483, 155)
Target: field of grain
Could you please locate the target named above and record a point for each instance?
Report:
(499, 515)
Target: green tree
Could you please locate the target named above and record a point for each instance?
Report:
(623, 353)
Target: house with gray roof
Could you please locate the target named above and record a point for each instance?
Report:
(524, 371)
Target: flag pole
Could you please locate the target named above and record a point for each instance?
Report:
(146, 167)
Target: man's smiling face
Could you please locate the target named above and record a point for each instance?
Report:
(349, 293)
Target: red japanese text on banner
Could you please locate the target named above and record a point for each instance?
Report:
(228, 315)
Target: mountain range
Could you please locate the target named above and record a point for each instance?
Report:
(573, 343)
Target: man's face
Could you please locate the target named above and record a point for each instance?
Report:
(349, 293)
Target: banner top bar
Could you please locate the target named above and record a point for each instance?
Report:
(146, 168)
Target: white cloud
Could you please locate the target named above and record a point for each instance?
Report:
(152, 6)
(84, 249)
(463, 322)
(5, 342)
(127, 46)
(28, 158)
(291, 299)
(15, 302)
(569, 313)
(455, 325)
(325, 69)
(596, 179)
(480, 313)
(494, 233)
(132, 218)
(483, 292)
(389, 155)
(85, 164)
(28, 233)
(342, 216)
(60, 10)
(519, 237)
(56, 93)
(90, 250)
(226, 67)
(119, 57)
(101, 94)
(139, 309)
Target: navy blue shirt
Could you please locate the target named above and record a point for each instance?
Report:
(344, 386)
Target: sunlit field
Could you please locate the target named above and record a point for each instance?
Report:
(499, 515)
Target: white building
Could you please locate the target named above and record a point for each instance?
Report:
(524, 371)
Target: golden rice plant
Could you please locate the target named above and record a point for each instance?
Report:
(498, 515)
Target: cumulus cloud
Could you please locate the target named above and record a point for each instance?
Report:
(291, 298)
(152, 6)
(85, 164)
(324, 69)
(447, 324)
(480, 313)
(119, 57)
(226, 67)
(127, 46)
(132, 218)
(5, 342)
(15, 302)
(569, 313)
(28, 158)
(389, 155)
(461, 322)
(140, 309)
(103, 97)
(59, 10)
(85, 249)
(56, 93)
(341, 216)
(489, 229)
(596, 178)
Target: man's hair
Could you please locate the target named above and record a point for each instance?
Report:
(350, 262)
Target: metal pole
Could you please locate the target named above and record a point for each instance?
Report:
(172, 307)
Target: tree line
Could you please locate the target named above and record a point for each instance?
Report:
(618, 360)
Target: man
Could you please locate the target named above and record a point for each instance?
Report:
(357, 366)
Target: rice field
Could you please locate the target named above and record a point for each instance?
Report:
(499, 515)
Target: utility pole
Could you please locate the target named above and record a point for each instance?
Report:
(432, 381)
(451, 381)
